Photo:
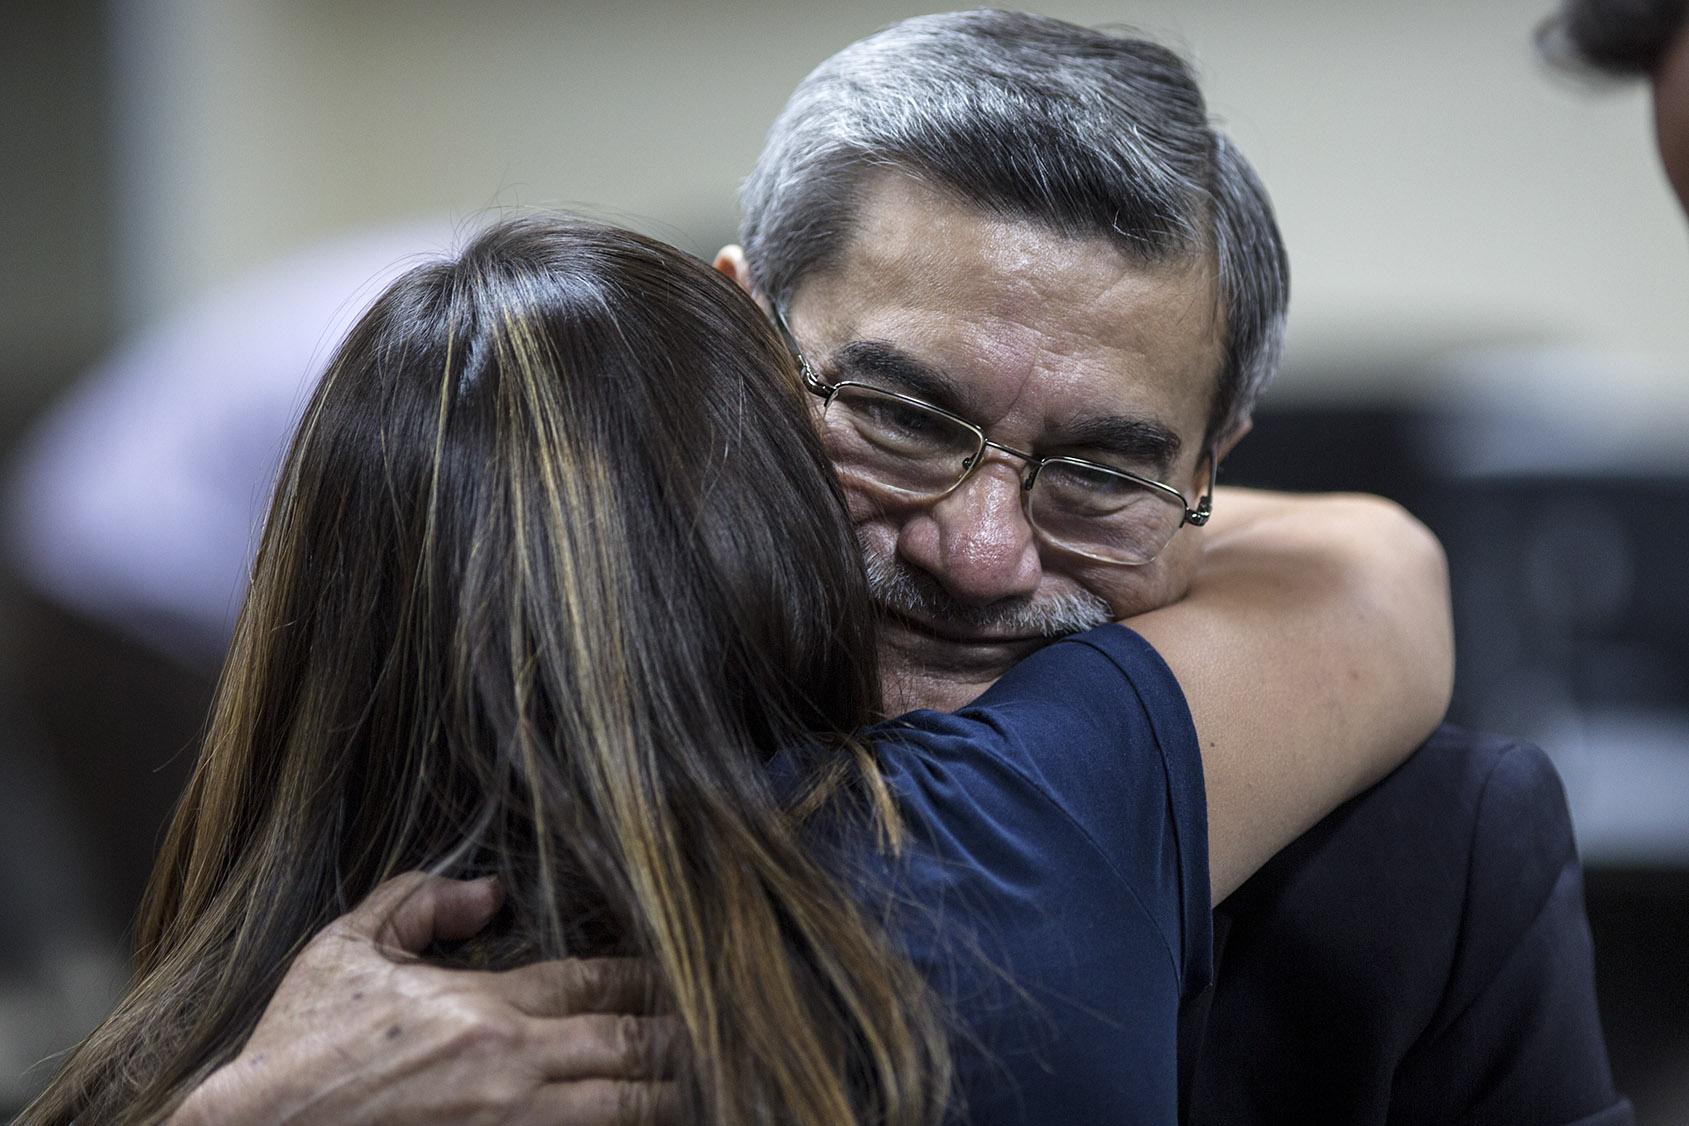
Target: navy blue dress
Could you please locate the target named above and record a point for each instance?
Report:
(1054, 884)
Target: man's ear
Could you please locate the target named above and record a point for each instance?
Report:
(730, 261)
(1230, 441)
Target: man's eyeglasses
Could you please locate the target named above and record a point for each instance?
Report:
(911, 450)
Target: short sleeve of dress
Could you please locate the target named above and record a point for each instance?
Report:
(1098, 722)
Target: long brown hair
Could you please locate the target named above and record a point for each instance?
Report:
(554, 565)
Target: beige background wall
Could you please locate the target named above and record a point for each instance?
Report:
(1438, 188)
(1440, 191)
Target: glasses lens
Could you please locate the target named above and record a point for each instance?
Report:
(879, 438)
(1101, 514)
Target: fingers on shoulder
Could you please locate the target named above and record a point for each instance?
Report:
(413, 909)
(584, 985)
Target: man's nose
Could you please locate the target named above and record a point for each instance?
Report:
(975, 540)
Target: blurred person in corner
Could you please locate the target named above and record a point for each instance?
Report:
(1646, 39)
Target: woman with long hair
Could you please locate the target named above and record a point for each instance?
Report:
(557, 586)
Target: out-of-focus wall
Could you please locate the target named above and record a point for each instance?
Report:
(56, 288)
(1439, 189)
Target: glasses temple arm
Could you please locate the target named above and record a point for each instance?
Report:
(1199, 515)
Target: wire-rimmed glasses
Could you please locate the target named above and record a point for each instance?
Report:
(906, 449)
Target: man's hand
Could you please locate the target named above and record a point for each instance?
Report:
(354, 1036)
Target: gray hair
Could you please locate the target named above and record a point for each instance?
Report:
(1620, 38)
(1082, 131)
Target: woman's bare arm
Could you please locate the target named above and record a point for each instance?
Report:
(1316, 652)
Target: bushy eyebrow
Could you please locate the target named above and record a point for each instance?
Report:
(893, 365)
(1133, 441)
(1137, 441)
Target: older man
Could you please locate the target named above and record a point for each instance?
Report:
(1035, 295)
(938, 215)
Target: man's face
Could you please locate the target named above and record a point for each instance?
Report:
(1052, 345)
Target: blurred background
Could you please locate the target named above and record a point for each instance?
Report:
(1490, 324)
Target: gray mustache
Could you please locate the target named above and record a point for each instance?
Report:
(913, 593)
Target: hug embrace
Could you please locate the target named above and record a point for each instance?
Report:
(828, 686)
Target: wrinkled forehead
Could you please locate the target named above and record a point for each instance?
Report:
(1028, 325)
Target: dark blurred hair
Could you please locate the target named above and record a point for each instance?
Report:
(1088, 133)
(1621, 38)
(554, 565)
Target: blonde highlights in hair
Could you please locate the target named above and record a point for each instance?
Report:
(554, 567)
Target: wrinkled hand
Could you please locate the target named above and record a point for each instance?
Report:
(353, 1036)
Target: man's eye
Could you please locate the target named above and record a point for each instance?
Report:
(900, 419)
(1090, 490)
(1097, 481)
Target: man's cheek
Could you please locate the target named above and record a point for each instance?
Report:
(862, 510)
(866, 504)
(875, 533)
(1137, 590)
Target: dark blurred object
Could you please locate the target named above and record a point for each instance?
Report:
(61, 962)
(129, 517)
(131, 512)
(1574, 629)
(1571, 616)
(1622, 38)
(1642, 977)
(86, 779)
(1567, 548)
(57, 245)
(121, 724)
(1338, 447)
